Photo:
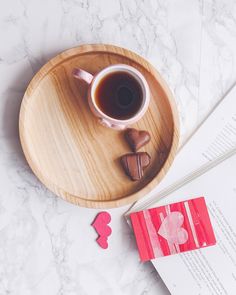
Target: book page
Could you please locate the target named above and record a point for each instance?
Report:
(210, 270)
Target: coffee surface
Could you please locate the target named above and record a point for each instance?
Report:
(119, 95)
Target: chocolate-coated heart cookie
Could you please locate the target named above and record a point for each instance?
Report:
(134, 164)
(137, 138)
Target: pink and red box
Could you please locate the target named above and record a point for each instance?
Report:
(172, 229)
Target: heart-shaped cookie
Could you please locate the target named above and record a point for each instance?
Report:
(136, 138)
(171, 228)
(134, 164)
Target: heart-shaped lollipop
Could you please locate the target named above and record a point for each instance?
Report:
(137, 138)
(134, 164)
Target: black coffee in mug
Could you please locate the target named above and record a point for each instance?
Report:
(119, 95)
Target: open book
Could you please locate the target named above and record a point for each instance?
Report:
(208, 270)
(205, 166)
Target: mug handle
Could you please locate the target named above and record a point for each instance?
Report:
(106, 123)
(82, 75)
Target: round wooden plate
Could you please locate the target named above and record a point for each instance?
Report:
(72, 154)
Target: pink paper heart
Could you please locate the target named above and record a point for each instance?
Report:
(171, 229)
(102, 242)
(100, 224)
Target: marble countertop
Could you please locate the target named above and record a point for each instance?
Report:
(47, 245)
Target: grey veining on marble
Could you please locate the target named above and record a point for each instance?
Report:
(47, 245)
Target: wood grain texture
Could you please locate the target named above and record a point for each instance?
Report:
(72, 154)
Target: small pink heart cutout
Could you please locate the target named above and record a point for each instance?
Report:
(171, 229)
(102, 242)
(101, 224)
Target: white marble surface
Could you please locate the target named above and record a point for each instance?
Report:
(47, 245)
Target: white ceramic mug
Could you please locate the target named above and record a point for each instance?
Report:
(93, 82)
